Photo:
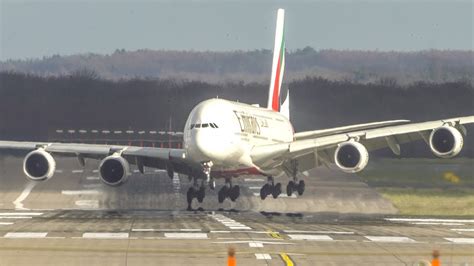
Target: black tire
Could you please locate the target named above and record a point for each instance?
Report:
(190, 195)
(290, 188)
(234, 193)
(264, 191)
(276, 190)
(222, 194)
(201, 194)
(301, 187)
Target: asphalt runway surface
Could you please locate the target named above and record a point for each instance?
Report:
(73, 219)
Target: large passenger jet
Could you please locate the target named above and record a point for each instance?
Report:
(225, 139)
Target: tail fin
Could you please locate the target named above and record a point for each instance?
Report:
(278, 66)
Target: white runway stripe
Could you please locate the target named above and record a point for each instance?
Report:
(6, 223)
(263, 256)
(87, 204)
(77, 171)
(80, 192)
(255, 244)
(459, 240)
(463, 229)
(166, 230)
(433, 223)
(105, 235)
(186, 235)
(24, 194)
(394, 239)
(25, 235)
(16, 217)
(430, 220)
(254, 180)
(58, 171)
(319, 232)
(310, 237)
(21, 213)
(92, 178)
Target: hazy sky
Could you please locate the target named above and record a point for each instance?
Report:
(32, 29)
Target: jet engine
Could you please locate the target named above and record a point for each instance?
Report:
(351, 157)
(446, 141)
(114, 170)
(39, 165)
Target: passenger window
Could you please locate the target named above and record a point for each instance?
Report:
(197, 126)
(205, 125)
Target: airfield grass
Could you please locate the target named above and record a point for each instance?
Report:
(425, 186)
(431, 201)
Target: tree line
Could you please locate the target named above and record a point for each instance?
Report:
(31, 106)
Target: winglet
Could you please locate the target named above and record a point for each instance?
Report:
(278, 65)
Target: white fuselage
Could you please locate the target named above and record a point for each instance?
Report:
(225, 132)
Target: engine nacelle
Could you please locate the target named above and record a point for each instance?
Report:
(114, 170)
(351, 157)
(39, 165)
(446, 141)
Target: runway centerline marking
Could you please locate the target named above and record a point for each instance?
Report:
(460, 240)
(79, 192)
(21, 213)
(394, 239)
(319, 232)
(430, 220)
(310, 237)
(24, 194)
(7, 223)
(25, 235)
(105, 235)
(92, 178)
(77, 171)
(186, 235)
(166, 230)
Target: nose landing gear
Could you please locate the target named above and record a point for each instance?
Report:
(270, 189)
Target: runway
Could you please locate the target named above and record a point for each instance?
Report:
(73, 219)
(73, 237)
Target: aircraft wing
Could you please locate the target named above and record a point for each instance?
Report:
(312, 151)
(159, 158)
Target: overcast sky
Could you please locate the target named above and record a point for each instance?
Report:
(33, 29)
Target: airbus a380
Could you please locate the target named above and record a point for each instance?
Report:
(225, 139)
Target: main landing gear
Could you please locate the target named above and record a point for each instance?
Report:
(196, 191)
(295, 186)
(228, 191)
(270, 189)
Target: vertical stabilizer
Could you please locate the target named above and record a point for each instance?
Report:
(278, 65)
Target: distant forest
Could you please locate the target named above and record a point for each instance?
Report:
(404, 68)
(31, 106)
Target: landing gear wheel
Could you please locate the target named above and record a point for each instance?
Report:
(276, 190)
(201, 193)
(212, 184)
(301, 187)
(290, 188)
(222, 194)
(234, 193)
(264, 191)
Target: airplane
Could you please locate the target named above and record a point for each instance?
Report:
(226, 139)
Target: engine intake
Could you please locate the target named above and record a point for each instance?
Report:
(446, 142)
(39, 165)
(351, 157)
(114, 170)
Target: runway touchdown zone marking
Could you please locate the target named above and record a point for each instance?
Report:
(390, 239)
(263, 256)
(186, 235)
(25, 235)
(105, 235)
(459, 240)
(310, 237)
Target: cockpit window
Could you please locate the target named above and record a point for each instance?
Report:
(215, 126)
(197, 125)
(212, 125)
(205, 125)
(192, 126)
